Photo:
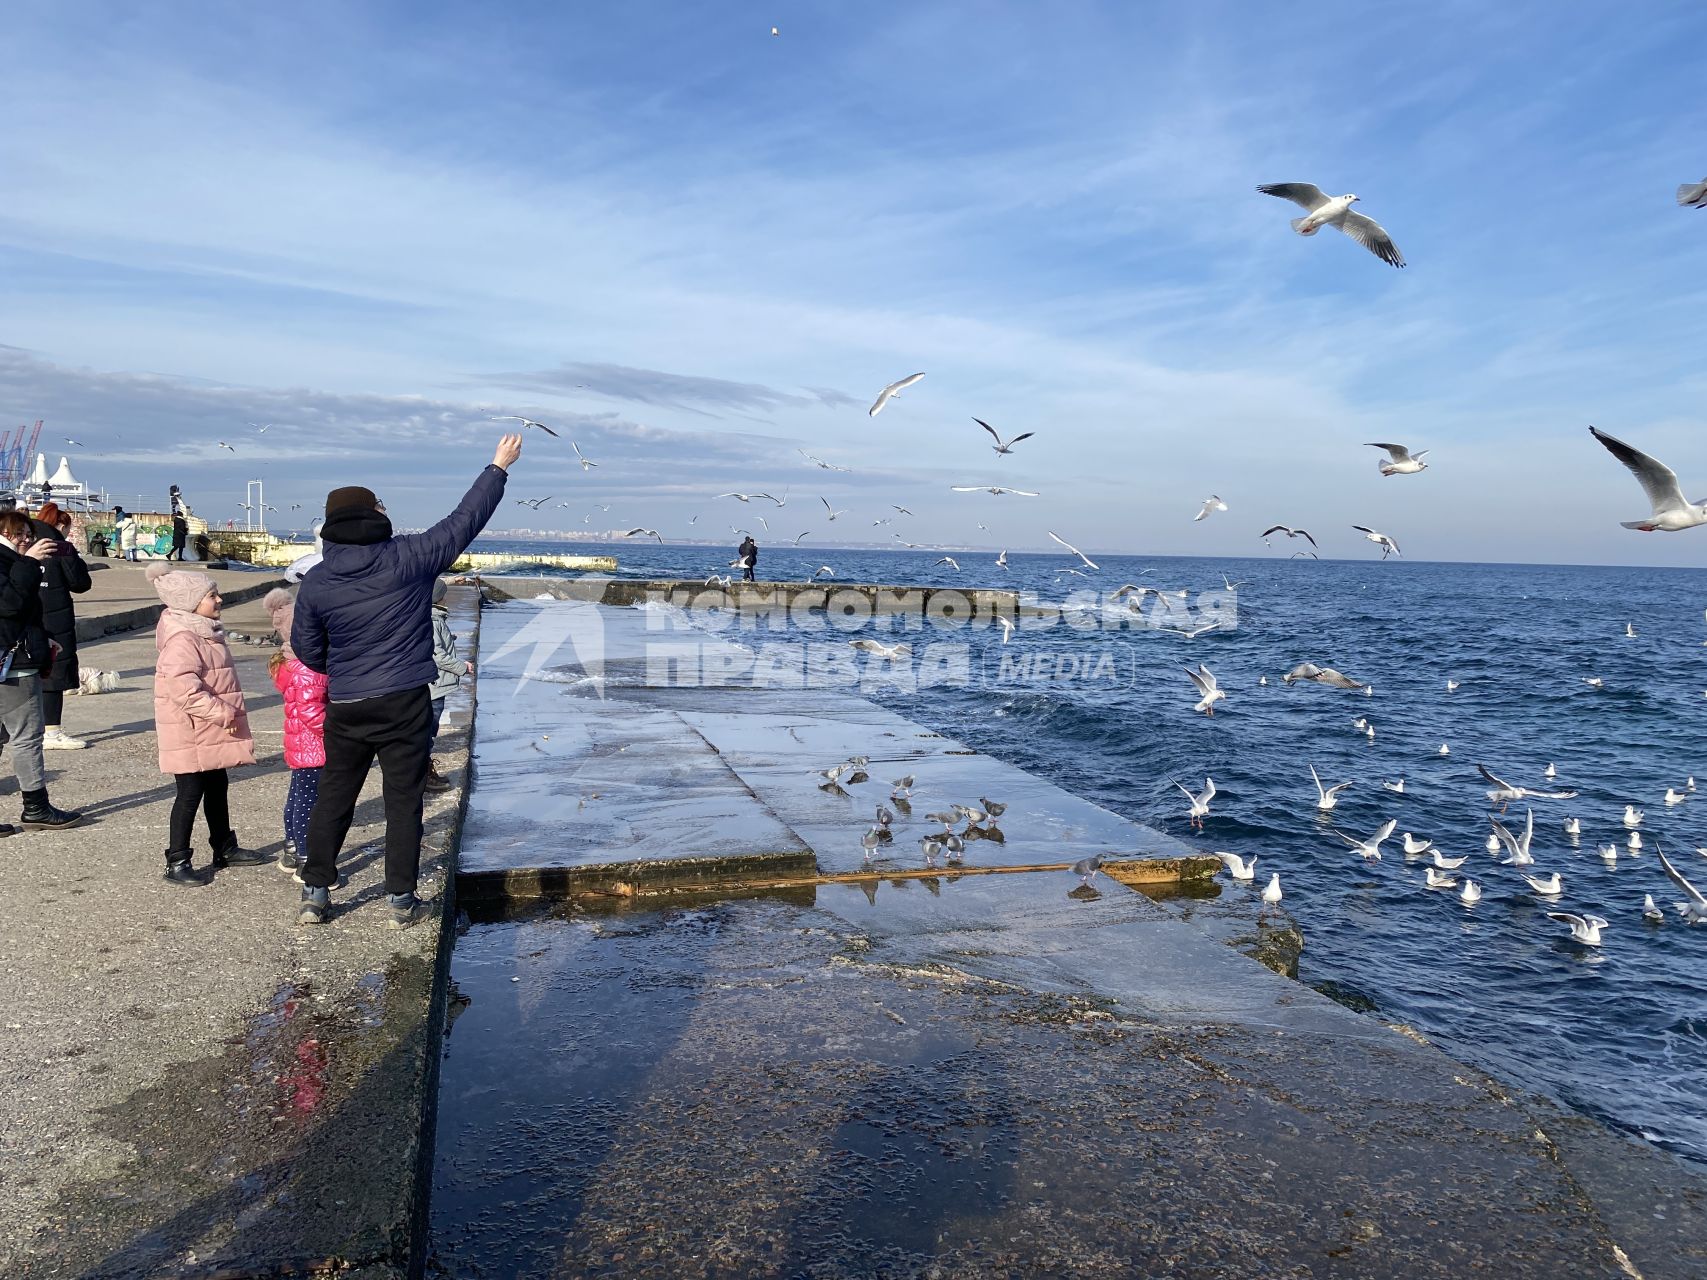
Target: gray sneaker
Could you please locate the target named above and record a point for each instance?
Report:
(406, 910)
(314, 906)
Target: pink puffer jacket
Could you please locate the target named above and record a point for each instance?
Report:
(198, 704)
(305, 714)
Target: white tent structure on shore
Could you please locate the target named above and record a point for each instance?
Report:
(62, 486)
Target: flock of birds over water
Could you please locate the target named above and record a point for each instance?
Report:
(1670, 512)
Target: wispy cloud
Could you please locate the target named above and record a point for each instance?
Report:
(674, 390)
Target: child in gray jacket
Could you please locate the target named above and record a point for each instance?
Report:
(451, 670)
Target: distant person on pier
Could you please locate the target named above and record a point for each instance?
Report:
(62, 576)
(748, 554)
(364, 618)
(180, 533)
(124, 524)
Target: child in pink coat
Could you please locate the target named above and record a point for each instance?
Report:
(304, 694)
(199, 718)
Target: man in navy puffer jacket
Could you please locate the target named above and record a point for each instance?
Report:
(364, 618)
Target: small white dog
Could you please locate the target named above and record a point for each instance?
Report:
(92, 681)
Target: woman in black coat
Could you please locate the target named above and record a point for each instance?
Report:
(63, 575)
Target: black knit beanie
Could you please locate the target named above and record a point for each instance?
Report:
(353, 497)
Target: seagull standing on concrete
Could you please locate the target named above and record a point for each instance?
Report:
(1271, 895)
(1322, 210)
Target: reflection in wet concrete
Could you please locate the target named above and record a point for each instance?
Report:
(760, 1089)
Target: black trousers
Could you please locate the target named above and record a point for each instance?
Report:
(397, 728)
(205, 791)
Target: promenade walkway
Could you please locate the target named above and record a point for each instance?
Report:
(186, 1067)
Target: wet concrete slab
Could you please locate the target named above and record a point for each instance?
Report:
(588, 757)
(857, 1087)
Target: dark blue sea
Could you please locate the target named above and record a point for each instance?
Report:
(1618, 1031)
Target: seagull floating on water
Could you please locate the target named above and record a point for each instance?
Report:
(1448, 864)
(1633, 816)
(1651, 912)
(1549, 772)
(1470, 893)
(1415, 848)
(1437, 879)
(1675, 797)
(1547, 886)
(1451, 685)
(1401, 461)
(1573, 826)
(1397, 787)
(1634, 843)
(1672, 511)
(1322, 210)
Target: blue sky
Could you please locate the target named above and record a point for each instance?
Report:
(698, 248)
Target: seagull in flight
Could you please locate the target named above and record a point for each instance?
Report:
(650, 533)
(1401, 461)
(1239, 868)
(1289, 531)
(1694, 909)
(890, 392)
(1327, 797)
(1321, 675)
(877, 649)
(819, 462)
(526, 422)
(1693, 195)
(1504, 792)
(823, 571)
(1370, 850)
(260, 427)
(1088, 562)
(902, 510)
(1199, 803)
(223, 445)
(950, 560)
(1002, 560)
(1322, 210)
(1516, 846)
(535, 503)
(745, 497)
(586, 462)
(994, 488)
(1671, 510)
(1003, 446)
(799, 536)
(70, 441)
(827, 507)
(1387, 545)
(1211, 503)
(1207, 686)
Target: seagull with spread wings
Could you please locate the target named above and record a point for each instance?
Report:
(526, 422)
(1672, 511)
(1322, 210)
(1003, 446)
(1211, 503)
(827, 507)
(1088, 562)
(1693, 195)
(587, 463)
(650, 533)
(890, 392)
(1387, 545)
(1210, 689)
(1289, 531)
(993, 488)
(1400, 460)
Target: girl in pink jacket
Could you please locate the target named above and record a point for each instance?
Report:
(199, 718)
(304, 732)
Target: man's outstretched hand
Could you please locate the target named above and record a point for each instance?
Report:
(509, 449)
